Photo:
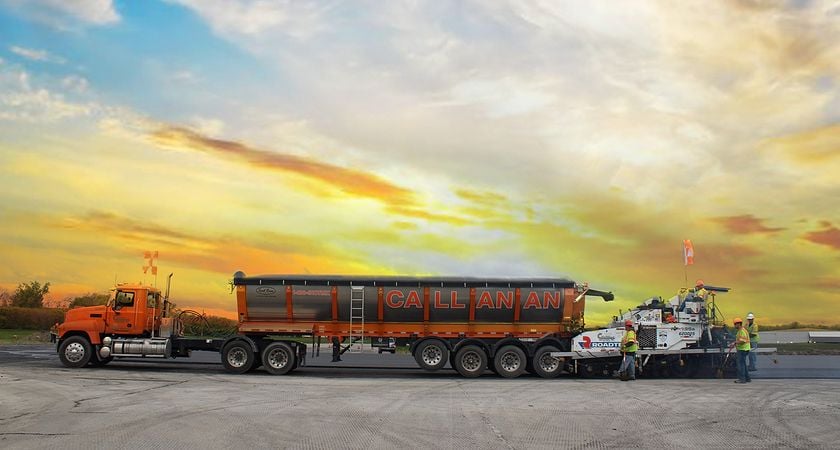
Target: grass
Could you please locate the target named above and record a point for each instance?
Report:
(806, 348)
(18, 336)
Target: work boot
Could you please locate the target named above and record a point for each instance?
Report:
(752, 369)
(740, 381)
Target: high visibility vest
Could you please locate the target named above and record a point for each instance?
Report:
(742, 335)
(629, 343)
(753, 330)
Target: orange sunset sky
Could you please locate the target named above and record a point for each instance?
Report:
(546, 138)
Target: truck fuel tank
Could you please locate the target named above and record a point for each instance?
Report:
(157, 347)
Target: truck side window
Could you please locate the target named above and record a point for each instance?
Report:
(151, 300)
(124, 299)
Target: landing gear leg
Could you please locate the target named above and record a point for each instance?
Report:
(336, 351)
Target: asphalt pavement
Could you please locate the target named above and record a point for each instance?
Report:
(385, 401)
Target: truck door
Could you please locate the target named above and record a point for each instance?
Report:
(122, 315)
(152, 311)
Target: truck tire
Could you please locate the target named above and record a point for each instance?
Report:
(75, 352)
(470, 361)
(546, 366)
(431, 354)
(237, 356)
(510, 361)
(278, 358)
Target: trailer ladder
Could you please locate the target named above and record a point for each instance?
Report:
(357, 318)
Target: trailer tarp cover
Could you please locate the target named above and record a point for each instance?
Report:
(239, 278)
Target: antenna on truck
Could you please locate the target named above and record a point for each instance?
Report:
(165, 311)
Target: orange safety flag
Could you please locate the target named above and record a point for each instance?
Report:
(151, 256)
(688, 252)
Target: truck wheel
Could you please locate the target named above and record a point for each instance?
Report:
(75, 352)
(546, 366)
(510, 361)
(278, 358)
(237, 357)
(431, 354)
(470, 361)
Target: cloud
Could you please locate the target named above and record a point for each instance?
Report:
(75, 83)
(828, 236)
(350, 181)
(20, 101)
(745, 224)
(58, 13)
(36, 55)
(812, 147)
(505, 97)
(113, 225)
(481, 197)
(219, 253)
(253, 17)
(184, 76)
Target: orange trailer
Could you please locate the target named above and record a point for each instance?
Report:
(507, 324)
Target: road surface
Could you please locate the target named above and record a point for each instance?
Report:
(195, 404)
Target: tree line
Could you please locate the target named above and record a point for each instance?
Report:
(24, 308)
(33, 294)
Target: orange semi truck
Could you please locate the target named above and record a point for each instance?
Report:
(508, 325)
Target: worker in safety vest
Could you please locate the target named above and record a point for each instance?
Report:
(700, 290)
(742, 344)
(629, 346)
(752, 329)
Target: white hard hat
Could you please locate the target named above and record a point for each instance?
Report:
(750, 316)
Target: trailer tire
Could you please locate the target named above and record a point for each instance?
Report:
(470, 361)
(546, 366)
(238, 356)
(256, 364)
(431, 355)
(75, 352)
(278, 358)
(510, 361)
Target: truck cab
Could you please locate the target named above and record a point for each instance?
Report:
(133, 311)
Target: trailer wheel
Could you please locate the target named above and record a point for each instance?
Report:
(470, 361)
(75, 352)
(431, 355)
(278, 358)
(545, 365)
(237, 357)
(256, 364)
(510, 361)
